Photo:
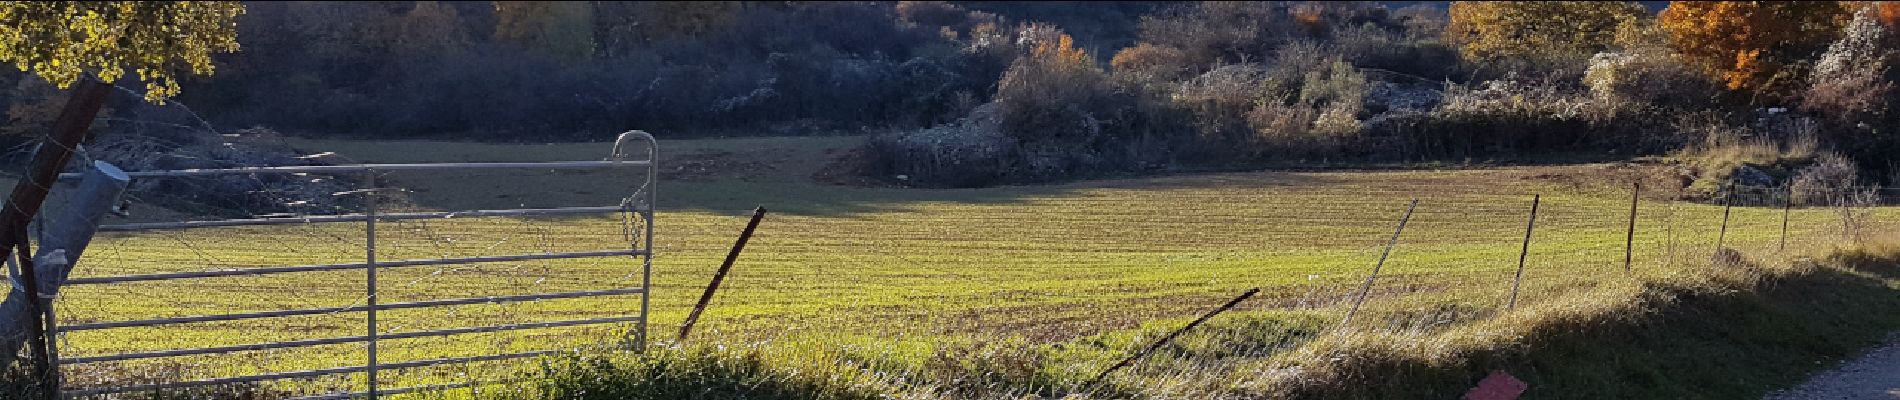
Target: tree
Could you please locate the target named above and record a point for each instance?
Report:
(88, 44)
(562, 28)
(1755, 46)
(1850, 83)
(426, 32)
(1489, 29)
(622, 26)
(62, 41)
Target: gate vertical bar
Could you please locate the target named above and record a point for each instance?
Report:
(369, 241)
(646, 258)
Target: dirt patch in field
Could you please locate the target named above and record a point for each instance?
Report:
(850, 167)
(712, 165)
(1657, 180)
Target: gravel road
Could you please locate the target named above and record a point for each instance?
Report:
(1873, 376)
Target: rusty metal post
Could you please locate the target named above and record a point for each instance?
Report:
(1728, 202)
(706, 298)
(1629, 239)
(1787, 202)
(1518, 280)
(1365, 289)
(1171, 335)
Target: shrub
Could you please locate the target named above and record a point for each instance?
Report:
(1852, 83)
(972, 152)
(1057, 94)
(1150, 65)
(1505, 117)
(1370, 46)
(1487, 30)
(1649, 76)
(1220, 101)
(1323, 120)
(1830, 180)
(1758, 155)
(1213, 33)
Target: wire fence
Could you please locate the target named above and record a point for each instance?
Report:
(1041, 264)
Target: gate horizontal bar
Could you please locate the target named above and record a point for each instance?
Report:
(302, 374)
(331, 310)
(336, 267)
(318, 219)
(346, 339)
(295, 169)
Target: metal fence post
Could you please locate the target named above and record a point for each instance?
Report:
(1629, 240)
(1518, 279)
(369, 257)
(1728, 202)
(712, 287)
(1786, 203)
(1169, 338)
(1366, 288)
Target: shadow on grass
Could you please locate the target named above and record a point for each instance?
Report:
(1695, 345)
(491, 190)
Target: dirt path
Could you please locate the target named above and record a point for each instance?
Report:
(1873, 376)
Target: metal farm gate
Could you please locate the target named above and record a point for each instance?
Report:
(636, 218)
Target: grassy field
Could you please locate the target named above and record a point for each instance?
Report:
(1037, 286)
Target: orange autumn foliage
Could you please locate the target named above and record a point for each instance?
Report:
(1753, 45)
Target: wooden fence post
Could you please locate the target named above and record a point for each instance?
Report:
(706, 298)
(1518, 279)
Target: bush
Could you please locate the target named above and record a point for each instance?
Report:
(973, 152)
(1056, 94)
(1323, 120)
(1369, 46)
(1150, 65)
(1766, 153)
(1649, 76)
(1506, 117)
(1830, 180)
(1220, 102)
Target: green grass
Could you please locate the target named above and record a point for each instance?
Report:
(852, 292)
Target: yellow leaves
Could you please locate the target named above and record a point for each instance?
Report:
(1062, 50)
(1486, 29)
(64, 41)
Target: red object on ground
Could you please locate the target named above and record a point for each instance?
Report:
(1498, 386)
